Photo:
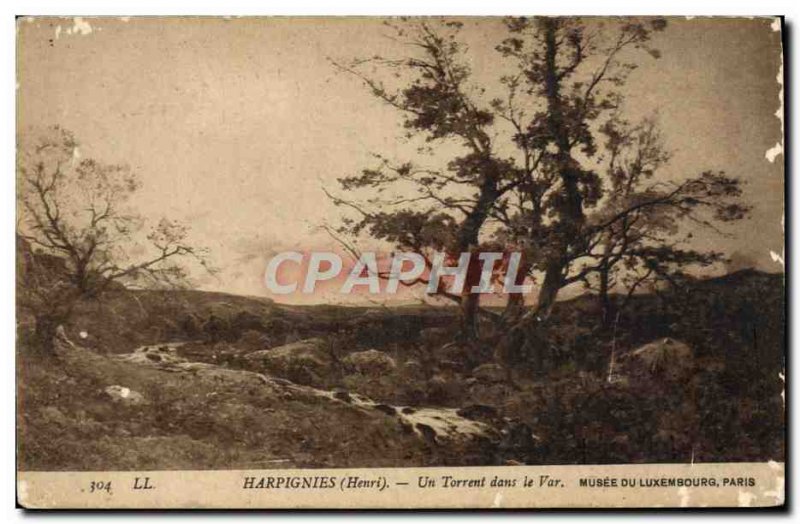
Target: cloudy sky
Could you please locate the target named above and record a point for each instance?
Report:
(236, 125)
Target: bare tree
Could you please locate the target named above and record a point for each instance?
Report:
(73, 214)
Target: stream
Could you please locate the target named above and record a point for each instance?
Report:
(429, 423)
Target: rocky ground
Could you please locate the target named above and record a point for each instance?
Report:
(194, 381)
(153, 409)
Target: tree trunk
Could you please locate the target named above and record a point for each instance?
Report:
(514, 307)
(515, 304)
(606, 304)
(467, 242)
(469, 315)
(553, 280)
(526, 340)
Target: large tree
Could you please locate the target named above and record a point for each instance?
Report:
(592, 202)
(515, 162)
(539, 168)
(83, 238)
(439, 207)
(637, 232)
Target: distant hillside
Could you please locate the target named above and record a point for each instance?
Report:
(739, 315)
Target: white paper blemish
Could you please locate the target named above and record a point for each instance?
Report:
(79, 27)
(22, 491)
(498, 499)
(773, 152)
(745, 499)
(779, 493)
(683, 493)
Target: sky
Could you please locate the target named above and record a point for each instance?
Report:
(235, 126)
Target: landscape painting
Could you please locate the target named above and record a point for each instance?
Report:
(271, 243)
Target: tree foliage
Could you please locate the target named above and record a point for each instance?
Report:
(541, 162)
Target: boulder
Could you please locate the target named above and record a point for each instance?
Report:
(303, 362)
(385, 408)
(665, 358)
(489, 373)
(124, 396)
(343, 395)
(370, 362)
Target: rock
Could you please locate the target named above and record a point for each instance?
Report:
(665, 358)
(370, 362)
(303, 362)
(157, 355)
(389, 410)
(427, 432)
(490, 373)
(343, 395)
(125, 396)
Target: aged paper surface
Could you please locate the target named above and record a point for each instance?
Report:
(400, 262)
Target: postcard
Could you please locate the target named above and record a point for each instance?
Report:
(400, 263)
